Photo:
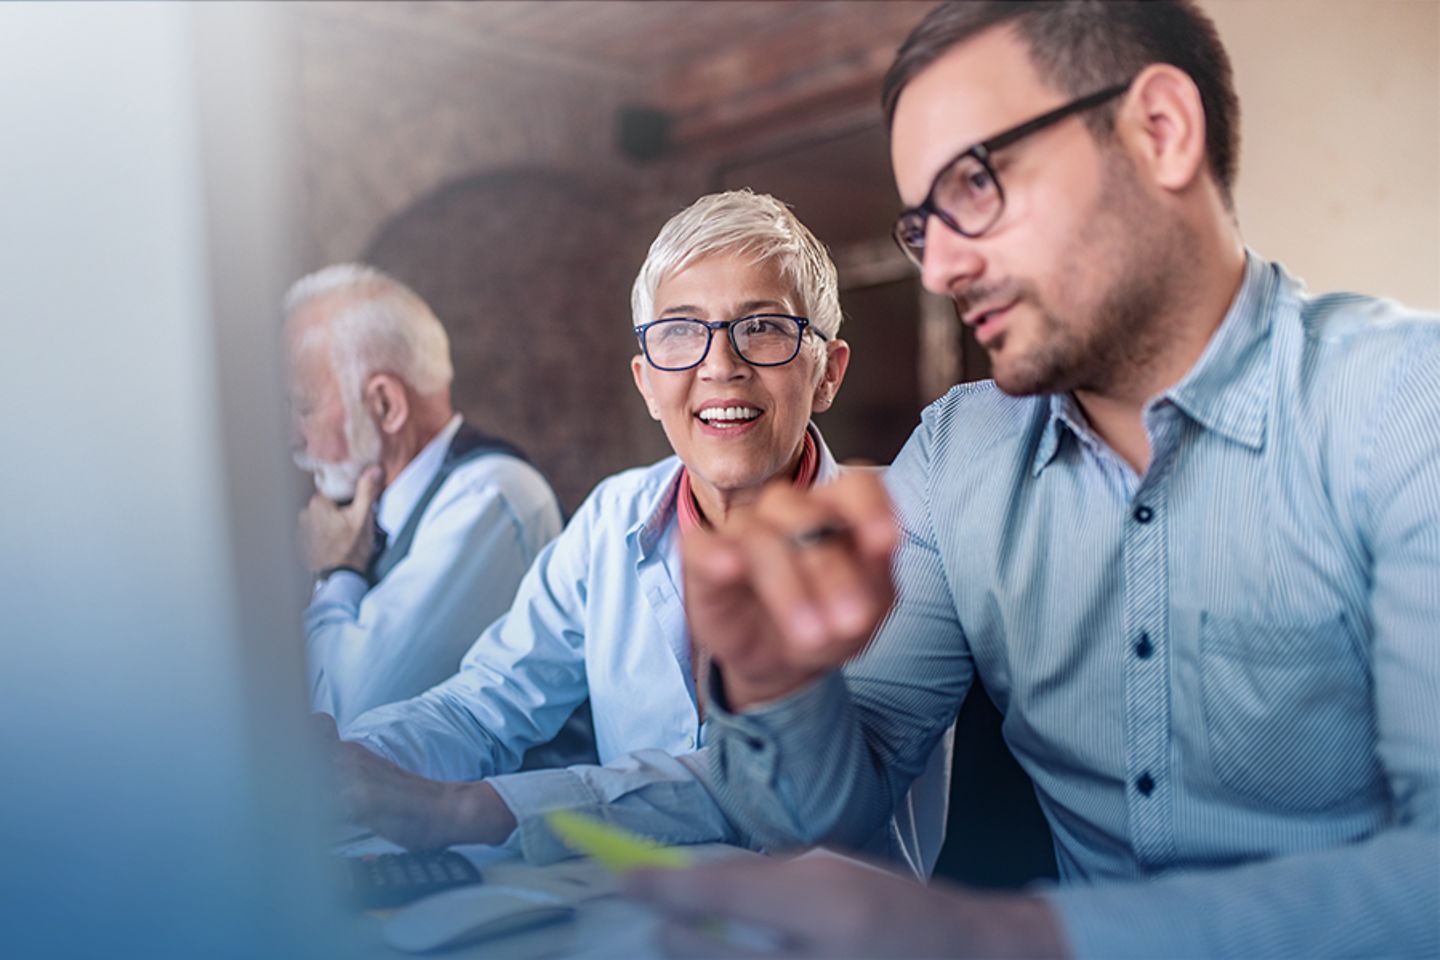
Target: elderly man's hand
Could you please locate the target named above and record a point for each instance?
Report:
(332, 535)
(796, 589)
(413, 811)
(826, 907)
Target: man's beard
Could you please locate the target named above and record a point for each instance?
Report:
(1125, 330)
(338, 480)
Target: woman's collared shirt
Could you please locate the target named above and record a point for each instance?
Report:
(599, 614)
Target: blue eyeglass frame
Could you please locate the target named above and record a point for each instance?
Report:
(729, 327)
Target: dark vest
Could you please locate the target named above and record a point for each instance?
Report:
(467, 444)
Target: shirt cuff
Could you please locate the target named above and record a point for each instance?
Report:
(344, 587)
(789, 725)
(376, 746)
(532, 793)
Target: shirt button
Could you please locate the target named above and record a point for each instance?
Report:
(1145, 785)
(1143, 649)
(1144, 514)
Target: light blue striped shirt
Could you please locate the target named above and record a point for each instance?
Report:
(366, 646)
(1223, 675)
(598, 616)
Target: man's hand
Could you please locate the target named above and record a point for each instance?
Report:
(341, 536)
(796, 589)
(825, 907)
(415, 812)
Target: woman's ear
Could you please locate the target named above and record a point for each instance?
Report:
(837, 361)
(642, 383)
(387, 403)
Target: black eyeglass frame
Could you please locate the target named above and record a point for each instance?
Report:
(802, 323)
(982, 153)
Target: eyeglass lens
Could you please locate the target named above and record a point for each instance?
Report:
(680, 343)
(966, 194)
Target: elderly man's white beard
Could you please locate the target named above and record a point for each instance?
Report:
(338, 480)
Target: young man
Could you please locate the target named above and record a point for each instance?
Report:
(1189, 538)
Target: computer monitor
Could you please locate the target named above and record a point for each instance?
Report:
(151, 701)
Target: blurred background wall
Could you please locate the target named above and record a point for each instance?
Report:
(512, 161)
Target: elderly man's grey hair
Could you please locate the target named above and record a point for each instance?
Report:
(379, 325)
(752, 225)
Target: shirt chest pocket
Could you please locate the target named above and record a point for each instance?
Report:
(1288, 717)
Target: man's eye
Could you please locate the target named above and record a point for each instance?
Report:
(979, 180)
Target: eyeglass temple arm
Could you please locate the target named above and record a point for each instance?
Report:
(1046, 119)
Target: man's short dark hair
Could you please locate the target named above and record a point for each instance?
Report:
(1081, 46)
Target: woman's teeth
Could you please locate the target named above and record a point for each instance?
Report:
(726, 417)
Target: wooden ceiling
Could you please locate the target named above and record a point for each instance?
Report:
(717, 68)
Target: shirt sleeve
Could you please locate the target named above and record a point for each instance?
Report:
(832, 761)
(516, 687)
(1379, 896)
(649, 792)
(479, 536)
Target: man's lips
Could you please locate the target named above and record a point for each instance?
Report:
(988, 323)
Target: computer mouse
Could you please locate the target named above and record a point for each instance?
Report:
(467, 914)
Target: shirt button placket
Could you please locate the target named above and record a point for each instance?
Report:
(1147, 692)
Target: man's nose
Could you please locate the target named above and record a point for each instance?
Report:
(951, 261)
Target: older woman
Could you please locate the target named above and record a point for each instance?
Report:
(736, 313)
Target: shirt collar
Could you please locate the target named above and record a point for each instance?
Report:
(1228, 390)
(399, 498)
(658, 513)
(1065, 414)
(1225, 391)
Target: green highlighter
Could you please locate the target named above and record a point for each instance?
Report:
(622, 851)
(616, 849)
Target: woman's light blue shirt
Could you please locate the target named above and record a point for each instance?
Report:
(599, 614)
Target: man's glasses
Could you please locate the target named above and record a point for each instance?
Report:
(760, 339)
(966, 194)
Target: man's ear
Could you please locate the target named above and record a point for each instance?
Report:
(387, 402)
(640, 371)
(837, 361)
(1163, 125)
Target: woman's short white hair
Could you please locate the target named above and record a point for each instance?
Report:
(379, 326)
(747, 224)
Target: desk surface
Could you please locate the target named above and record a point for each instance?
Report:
(604, 925)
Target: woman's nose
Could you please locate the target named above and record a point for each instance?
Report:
(722, 362)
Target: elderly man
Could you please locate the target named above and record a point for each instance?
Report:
(421, 526)
(1189, 538)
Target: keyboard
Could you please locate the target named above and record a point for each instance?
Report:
(377, 882)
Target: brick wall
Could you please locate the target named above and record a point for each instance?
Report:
(491, 182)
